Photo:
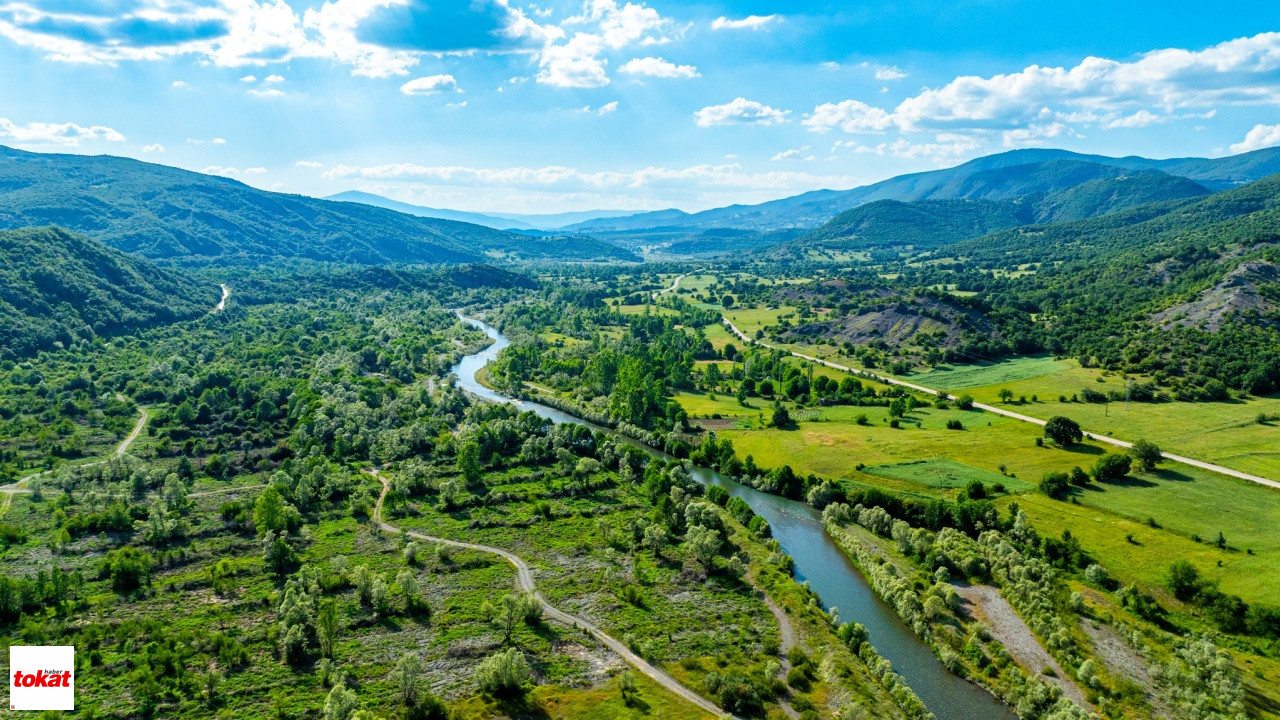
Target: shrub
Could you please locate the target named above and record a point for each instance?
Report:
(503, 674)
(1111, 468)
(1064, 431)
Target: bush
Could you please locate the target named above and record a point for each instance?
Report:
(1146, 454)
(503, 674)
(1111, 468)
(129, 569)
(1183, 579)
(1056, 485)
(955, 425)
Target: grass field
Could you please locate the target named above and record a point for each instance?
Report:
(1224, 433)
(1183, 501)
(946, 474)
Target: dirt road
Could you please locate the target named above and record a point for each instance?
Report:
(524, 581)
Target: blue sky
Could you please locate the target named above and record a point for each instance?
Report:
(505, 105)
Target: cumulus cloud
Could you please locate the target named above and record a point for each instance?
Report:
(851, 116)
(659, 68)
(308, 164)
(255, 171)
(730, 175)
(1260, 136)
(68, 134)
(153, 148)
(889, 73)
(249, 79)
(794, 154)
(209, 141)
(576, 60)
(267, 93)
(430, 85)
(750, 22)
(221, 171)
(739, 111)
(607, 108)
(1032, 103)
(272, 79)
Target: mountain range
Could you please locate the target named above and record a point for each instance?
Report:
(497, 221)
(995, 177)
(166, 213)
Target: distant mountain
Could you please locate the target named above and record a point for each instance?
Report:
(498, 221)
(57, 286)
(163, 212)
(993, 177)
(1090, 190)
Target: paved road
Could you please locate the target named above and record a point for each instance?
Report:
(1001, 411)
(674, 284)
(524, 580)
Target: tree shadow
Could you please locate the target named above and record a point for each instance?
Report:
(521, 708)
(1173, 475)
(1083, 449)
(1129, 481)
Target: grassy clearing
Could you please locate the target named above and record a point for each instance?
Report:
(1183, 501)
(964, 377)
(946, 474)
(600, 702)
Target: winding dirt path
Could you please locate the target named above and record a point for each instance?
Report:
(1000, 411)
(524, 581)
(222, 304)
(786, 641)
(675, 284)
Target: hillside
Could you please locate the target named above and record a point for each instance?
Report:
(489, 221)
(994, 202)
(999, 176)
(166, 213)
(57, 286)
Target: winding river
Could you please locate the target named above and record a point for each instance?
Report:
(798, 528)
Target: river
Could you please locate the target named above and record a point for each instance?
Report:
(798, 529)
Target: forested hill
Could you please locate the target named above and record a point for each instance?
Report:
(164, 212)
(57, 286)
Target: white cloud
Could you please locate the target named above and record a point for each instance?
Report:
(658, 67)
(430, 85)
(272, 79)
(1260, 136)
(739, 111)
(889, 73)
(179, 84)
(607, 108)
(794, 154)
(575, 61)
(750, 22)
(255, 171)
(1034, 135)
(851, 116)
(210, 141)
(267, 93)
(153, 148)
(830, 65)
(221, 171)
(69, 134)
(729, 175)
(1157, 87)
(308, 164)
(249, 79)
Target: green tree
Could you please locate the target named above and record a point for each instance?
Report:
(704, 543)
(503, 674)
(327, 626)
(1146, 454)
(1183, 579)
(1111, 468)
(341, 703)
(964, 401)
(1006, 395)
(1055, 485)
(781, 418)
(469, 462)
(269, 512)
(1064, 431)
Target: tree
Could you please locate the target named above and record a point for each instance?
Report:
(781, 418)
(965, 401)
(327, 626)
(1006, 395)
(655, 536)
(269, 511)
(1064, 431)
(341, 703)
(1183, 579)
(1111, 468)
(503, 674)
(129, 569)
(1055, 485)
(408, 677)
(469, 461)
(513, 609)
(1146, 454)
(704, 543)
(1079, 477)
(627, 686)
